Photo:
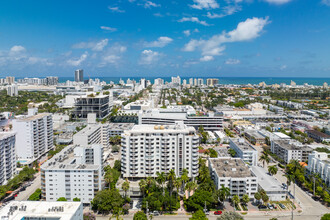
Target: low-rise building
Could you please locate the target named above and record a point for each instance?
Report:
(244, 150)
(234, 174)
(33, 210)
(319, 162)
(273, 188)
(289, 150)
(75, 172)
(254, 137)
(119, 128)
(318, 136)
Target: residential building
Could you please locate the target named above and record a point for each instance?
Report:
(51, 80)
(273, 188)
(34, 136)
(234, 174)
(276, 109)
(212, 82)
(86, 104)
(288, 149)
(148, 149)
(7, 156)
(35, 210)
(244, 150)
(10, 79)
(79, 75)
(12, 90)
(319, 163)
(187, 114)
(254, 137)
(92, 134)
(119, 128)
(318, 136)
(75, 172)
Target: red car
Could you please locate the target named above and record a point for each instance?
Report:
(218, 212)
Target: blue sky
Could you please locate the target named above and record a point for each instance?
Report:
(236, 38)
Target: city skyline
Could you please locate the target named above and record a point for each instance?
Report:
(232, 38)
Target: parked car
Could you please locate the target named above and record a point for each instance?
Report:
(218, 212)
(262, 207)
(282, 206)
(270, 206)
(207, 212)
(155, 213)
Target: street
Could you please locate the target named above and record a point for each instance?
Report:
(24, 195)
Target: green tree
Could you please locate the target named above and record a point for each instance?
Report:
(160, 179)
(125, 187)
(198, 200)
(62, 199)
(235, 200)
(223, 193)
(184, 177)
(140, 216)
(199, 215)
(76, 199)
(143, 186)
(36, 196)
(191, 186)
(117, 165)
(230, 216)
(232, 152)
(257, 196)
(326, 216)
(106, 201)
(264, 198)
(245, 199)
(272, 169)
(264, 158)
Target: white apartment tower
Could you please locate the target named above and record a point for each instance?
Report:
(79, 75)
(75, 172)
(148, 149)
(7, 156)
(34, 136)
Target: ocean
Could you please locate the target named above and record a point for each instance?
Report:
(222, 80)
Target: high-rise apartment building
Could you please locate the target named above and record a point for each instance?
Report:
(75, 172)
(7, 156)
(79, 75)
(10, 80)
(148, 149)
(212, 82)
(34, 136)
(12, 90)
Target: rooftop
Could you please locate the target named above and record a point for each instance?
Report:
(40, 209)
(67, 160)
(318, 133)
(34, 117)
(231, 167)
(267, 182)
(242, 144)
(121, 126)
(4, 135)
(177, 128)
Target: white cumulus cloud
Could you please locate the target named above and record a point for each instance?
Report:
(193, 19)
(116, 9)
(206, 58)
(205, 4)
(232, 61)
(247, 30)
(149, 4)
(187, 32)
(160, 42)
(111, 29)
(78, 61)
(278, 2)
(227, 10)
(149, 57)
(95, 46)
(17, 50)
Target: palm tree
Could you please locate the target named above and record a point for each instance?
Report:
(171, 177)
(160, 179)
(149, 182)
(143, 185)
(184, 178)
(272, 170)
(264, 158)
(191, 186)
(223, 192)
(245, 199)
(125, 186)
(257, 196)
(235, 200)
(178, 184)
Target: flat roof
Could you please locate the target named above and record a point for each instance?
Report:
(40, 209)
(4, 135)
(266, 181)
(281, 135)
(90, 129)
(231, 167)
(34, 117)
(242, 144)
(177, 128)
(66, 160)
(121, 126)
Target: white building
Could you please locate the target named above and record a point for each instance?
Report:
(35, 210)
(148, 149)
(75, 172)
(7, 156)
(12, 90)
(273, 188)
(34, 136)
(244, 150)
(288, 149)
(234, 174)
(318, 162)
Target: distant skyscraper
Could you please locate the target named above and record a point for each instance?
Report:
(12, 90)
(10, 79)
(212, 82)
(79, 75)
(191, 81)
